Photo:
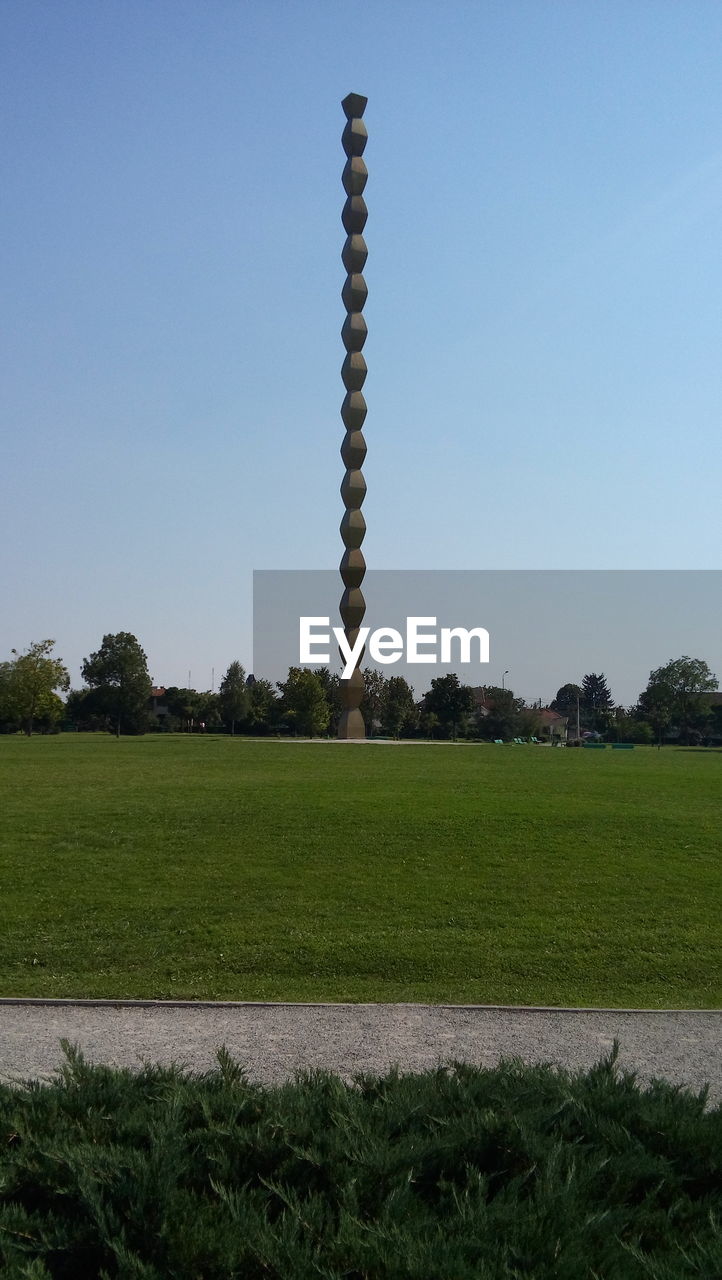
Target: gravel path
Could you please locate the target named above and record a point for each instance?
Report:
(273, 1041)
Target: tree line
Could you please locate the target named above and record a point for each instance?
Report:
(676, 703)
(116, 697)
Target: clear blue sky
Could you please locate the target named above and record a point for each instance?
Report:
(545, 301)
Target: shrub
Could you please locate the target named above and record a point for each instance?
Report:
(458, 1174)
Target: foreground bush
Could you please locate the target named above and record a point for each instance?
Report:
(457, 1174)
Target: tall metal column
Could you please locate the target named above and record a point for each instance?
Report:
(353, 410)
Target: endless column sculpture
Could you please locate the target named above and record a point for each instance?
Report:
(353, 410)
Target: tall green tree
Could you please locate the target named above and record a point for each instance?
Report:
(373, 700)
(304, 703)
(119, 672)
(597, 703)
(451, 701)
(209, 709)
(8, 717)
(503, 718)
(565, 702)
(714, 727)
(656, 707)
(331, 685)
(29, 683)
(233, 696)
(184, 706)
(263, 706)
(627, 726)
(529, 722)
(398, 710)
(86, 710)
(428, 722)
(675, 695)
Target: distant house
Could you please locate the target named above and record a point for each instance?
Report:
(480, 703)
(553, 726)
(155, 702)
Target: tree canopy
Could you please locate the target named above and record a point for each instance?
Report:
(233, 696)
(399, 711)
(331, 685)
(119, 673)
(372, 702)
(596, 701)
(28, 684)
(503, 712)
(304, 702)
(183, 705)
(565, 702)
(450, 701)
(675, 695)
(262, 706)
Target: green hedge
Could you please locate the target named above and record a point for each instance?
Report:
(457, 1174)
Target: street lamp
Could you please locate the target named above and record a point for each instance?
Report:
(503, 687)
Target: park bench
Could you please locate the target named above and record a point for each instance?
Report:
(595, 746)
(622, 746)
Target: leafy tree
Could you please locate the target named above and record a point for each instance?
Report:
(50, 713)
(675, 695)
(626, 726)
(262, 706)
(208, 709)
(373, 700)
(119, 671)
(183, 706)
(450, 701)
(656, 706)
(8, 716)
(596, 702)
(398, 709)
(330, 683)
(529, 722)
(85, 708)
(428, 722)
(503, 718)
(305, 705)
(565, 703)
(27, 686)
(715, 723)
(233, 696)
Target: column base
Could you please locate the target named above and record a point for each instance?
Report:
(351, 724)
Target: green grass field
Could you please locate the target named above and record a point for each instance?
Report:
(219, 868)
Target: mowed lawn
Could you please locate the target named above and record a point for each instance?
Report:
(220, 868)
